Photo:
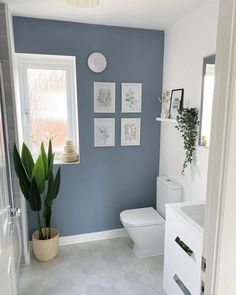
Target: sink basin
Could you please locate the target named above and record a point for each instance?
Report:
(195, 212)
(192, 213)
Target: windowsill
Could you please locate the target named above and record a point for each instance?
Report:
(60, 162)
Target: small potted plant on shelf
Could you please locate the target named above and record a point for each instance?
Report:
(187, 124)
(40, 188)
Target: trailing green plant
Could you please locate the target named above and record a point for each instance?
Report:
(38, 184)
(187, 124)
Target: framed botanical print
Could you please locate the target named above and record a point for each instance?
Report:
(130, 131)
(104, 97)
(104, 132)
(131, 98)
(176, 102)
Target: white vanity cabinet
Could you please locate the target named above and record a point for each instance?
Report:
(183, 252)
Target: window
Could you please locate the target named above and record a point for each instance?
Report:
(48, 100)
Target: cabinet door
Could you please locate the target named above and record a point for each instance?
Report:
(186, 266)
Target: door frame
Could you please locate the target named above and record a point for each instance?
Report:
(219, 241)
(8, 259)
(16, 111)
(221, 200)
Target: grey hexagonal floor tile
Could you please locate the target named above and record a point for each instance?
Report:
(104, 267)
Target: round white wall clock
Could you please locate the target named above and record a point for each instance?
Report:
(97, 62)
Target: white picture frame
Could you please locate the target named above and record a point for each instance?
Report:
(130, 131)
(104, 132)
(104, 97)
(131, 97)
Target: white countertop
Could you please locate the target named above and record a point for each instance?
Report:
(191, 213)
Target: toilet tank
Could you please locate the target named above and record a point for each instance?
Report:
(168, 191)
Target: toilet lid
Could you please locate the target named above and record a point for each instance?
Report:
(141, 217)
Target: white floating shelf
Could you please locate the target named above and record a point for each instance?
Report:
(166, 120)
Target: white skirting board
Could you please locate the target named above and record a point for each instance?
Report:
(96, 236)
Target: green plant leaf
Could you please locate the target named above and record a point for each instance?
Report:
(21, 173)
(17, 161)
(49, 197)
(27, 160)
(56, 185)
(25, 186)
(188, 123)
(39, 174)
(47, 214)
(45, 160)
(50, 168)
(34, 196)
(50, 154)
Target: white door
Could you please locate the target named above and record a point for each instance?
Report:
(220, 218)
(7, 268)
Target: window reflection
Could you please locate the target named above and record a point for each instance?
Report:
(207, 100)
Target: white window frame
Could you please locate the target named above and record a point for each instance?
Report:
(50, 62)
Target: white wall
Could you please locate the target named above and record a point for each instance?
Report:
(186, 43)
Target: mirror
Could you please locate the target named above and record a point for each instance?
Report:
(208, 80)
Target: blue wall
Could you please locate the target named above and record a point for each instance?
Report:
(108, 180)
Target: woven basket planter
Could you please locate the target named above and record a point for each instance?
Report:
(45, 250)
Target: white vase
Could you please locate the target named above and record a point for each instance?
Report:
(165, 114)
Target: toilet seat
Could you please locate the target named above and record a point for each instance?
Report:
(141, 217)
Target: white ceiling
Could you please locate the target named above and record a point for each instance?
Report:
(151, 14)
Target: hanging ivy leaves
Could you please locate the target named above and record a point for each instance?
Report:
(188, 123)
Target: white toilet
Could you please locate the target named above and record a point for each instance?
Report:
(146, 226)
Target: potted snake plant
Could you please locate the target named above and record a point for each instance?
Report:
(40, 188)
